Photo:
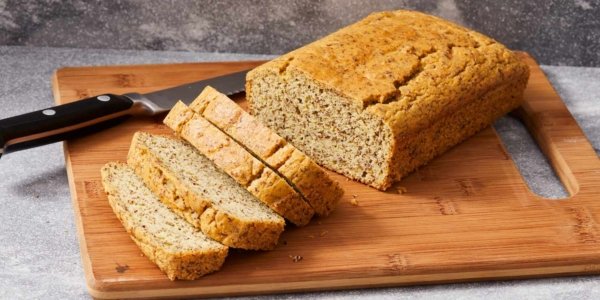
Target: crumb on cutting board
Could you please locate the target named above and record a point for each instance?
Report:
(121, 268)
(296, 258)
(401, 190)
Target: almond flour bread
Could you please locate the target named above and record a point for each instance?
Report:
(299, 170)
(194, 188)
(233, 159)
(175, 246)
(381, 97)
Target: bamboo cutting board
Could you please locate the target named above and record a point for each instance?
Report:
(467, 215)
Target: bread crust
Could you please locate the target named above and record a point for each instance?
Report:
(185, 265)
(224, 227)
(316, 187)
(410, 71)
(234, 160)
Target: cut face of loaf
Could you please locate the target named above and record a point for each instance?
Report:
(193, 187)
(176, 247)
(381, 97)
(233, 159)
(320, 191)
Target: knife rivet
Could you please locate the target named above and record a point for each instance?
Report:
(103, 98)
(49, 112)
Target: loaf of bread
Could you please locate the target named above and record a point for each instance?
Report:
(237, 162)
(176, 247)
(381, 97)
(193, 187)
(304, 175)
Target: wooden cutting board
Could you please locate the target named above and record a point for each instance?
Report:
(467, 215)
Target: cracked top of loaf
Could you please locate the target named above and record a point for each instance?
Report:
(395, 64)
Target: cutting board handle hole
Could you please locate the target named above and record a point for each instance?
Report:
(530, 158)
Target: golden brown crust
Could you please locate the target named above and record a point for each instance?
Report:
(451, 129)
(225, 114)
(409, 70)
(316, 187)
(370, 60)
(234, 160)
(182, 266)
(322, 192)
(188, 265)
(228, 229)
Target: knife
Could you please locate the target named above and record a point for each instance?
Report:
(96, 113)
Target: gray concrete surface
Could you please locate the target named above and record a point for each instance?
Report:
(39, 254)
(553, 31)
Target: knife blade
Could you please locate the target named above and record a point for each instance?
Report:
(92, 114)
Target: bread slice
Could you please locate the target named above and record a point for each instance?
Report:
(383, 96)
(176, 247)
(194, 188)
(234, 160)
(303, 174)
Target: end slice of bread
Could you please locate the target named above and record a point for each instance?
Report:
(303, 174)
(176, 247)
(237, 162)
(193, 187)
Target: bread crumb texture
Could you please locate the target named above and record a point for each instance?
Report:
(193, 187)
(301, 172)
(179, 249)
(379, 98)
(237, 162)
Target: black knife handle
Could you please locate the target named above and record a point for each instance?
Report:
(60, 122)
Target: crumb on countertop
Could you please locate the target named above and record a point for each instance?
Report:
(323, 233)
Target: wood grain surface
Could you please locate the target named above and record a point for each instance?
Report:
(467, 215)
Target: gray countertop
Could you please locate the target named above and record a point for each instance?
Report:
(39, 252)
